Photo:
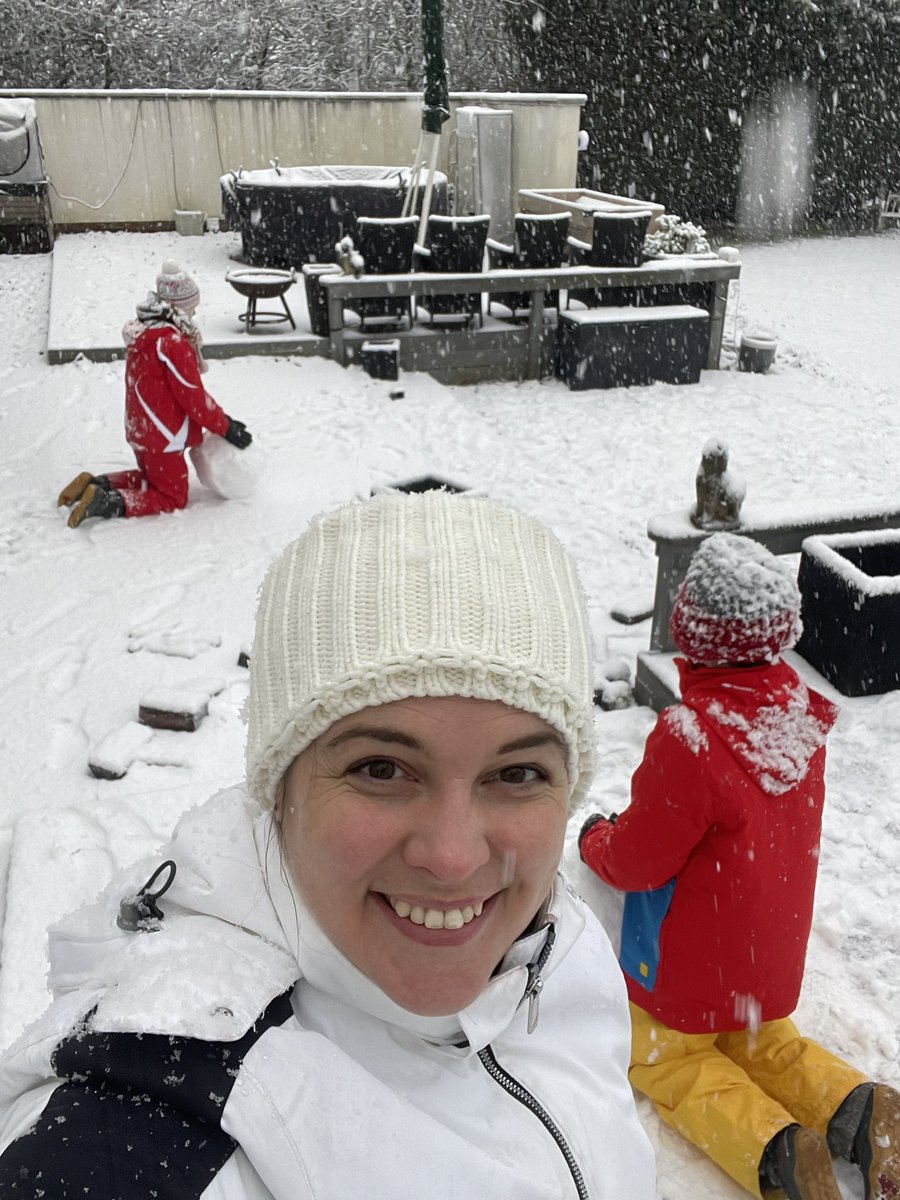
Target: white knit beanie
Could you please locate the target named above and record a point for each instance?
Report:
(175, 286)
(430, 594)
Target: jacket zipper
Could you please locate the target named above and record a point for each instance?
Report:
(515, 1089)
(520, 1093)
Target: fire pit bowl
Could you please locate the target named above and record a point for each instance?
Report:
(262, 283)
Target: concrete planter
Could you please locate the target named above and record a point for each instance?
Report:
(850, 587)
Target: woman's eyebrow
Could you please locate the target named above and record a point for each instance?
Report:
(375, 733)
(378, 733)
(532, 741)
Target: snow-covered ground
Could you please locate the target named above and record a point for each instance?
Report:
(93, 619)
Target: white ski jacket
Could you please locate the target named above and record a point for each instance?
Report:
(234, 1054)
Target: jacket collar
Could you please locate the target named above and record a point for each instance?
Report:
(325, 968)
(236, 934)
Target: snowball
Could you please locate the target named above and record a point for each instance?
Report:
(225, 470)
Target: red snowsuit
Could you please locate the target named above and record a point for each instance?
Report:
(166, 410)
(724, 820)
(718, 852)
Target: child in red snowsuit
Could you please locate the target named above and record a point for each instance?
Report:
(718, 854)
(167, 409)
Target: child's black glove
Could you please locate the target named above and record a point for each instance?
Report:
(238, 434)
(590, 822)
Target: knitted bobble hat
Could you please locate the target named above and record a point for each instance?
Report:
(429, 594)
(737, 604)
(176, 287)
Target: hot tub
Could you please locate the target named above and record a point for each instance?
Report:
(288, 216)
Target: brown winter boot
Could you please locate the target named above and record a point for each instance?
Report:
(96, 502)
(876, 1146)
(75, 490)
(796, 1165)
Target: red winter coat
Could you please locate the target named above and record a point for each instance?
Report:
(724, 822)
(166, 405)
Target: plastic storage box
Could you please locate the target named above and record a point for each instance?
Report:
(624, 347)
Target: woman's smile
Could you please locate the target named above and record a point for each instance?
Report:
(424, 835)
(431, 924)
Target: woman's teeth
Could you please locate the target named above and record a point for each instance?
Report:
(437, 918)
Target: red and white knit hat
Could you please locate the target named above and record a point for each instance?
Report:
(737, 604)
(176, 287)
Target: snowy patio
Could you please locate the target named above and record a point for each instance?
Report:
(93, 619)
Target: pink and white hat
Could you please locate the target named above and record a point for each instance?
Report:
(176, 287)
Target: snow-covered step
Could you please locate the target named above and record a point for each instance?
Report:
(118, 750)
(179, 708)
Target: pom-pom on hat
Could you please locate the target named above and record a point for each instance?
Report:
(737, 604)
(176, 287)
(429, 594)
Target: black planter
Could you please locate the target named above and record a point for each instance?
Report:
(756, 352)
(850, 587)
(381, 359)
(317, 296)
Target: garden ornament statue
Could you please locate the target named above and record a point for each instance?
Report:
(720, 493)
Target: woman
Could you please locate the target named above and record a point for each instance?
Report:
(167, 409)
(365, 978)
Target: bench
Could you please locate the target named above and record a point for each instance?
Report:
(518, 351)
(781, 529)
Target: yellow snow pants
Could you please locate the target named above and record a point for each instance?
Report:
(730, 1093)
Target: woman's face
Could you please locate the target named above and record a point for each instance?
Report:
(424, 836)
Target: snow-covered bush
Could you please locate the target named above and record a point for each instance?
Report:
(675, 236)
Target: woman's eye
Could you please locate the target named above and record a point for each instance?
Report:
(377, 768)
(521, 774)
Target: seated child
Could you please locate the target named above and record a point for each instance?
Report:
(718, 852)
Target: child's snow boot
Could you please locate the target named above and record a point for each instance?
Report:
(75, 490)
(96, 502)
(876, 1147)
(796, 1165)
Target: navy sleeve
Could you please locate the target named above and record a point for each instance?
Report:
(136, 1117)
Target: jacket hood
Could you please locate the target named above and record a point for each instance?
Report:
(771, 721)
(236, 934)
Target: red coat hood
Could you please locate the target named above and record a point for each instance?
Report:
(772, 722)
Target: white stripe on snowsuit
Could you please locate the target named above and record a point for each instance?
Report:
(163, 358)
(176, 441)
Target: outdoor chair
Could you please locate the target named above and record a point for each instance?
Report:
(890, 209)
(618, 241)
(386, 245)
(453, 245)
(539, 240)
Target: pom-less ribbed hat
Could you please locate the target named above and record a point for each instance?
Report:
(737, 604)
(430, 594)
(175, 286)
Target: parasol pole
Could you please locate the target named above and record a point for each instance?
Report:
(435, 100)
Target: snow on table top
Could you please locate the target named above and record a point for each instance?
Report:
(618, 315)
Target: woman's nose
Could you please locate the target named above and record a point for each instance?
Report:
(448, 837)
